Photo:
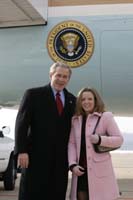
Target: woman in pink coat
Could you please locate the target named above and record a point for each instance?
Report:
(93, 176)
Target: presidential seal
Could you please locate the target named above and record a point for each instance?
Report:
(71, 42)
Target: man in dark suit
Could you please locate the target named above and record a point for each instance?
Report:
(41, 138)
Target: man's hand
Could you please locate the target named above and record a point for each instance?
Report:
(23, 160)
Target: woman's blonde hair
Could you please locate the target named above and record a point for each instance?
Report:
(99, 104)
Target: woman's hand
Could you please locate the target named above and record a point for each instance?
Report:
(94, 139)
(78, 170)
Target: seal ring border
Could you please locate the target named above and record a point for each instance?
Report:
(71, 24)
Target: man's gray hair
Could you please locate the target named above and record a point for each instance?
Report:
(60, 64)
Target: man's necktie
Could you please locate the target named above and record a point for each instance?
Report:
(59, 103)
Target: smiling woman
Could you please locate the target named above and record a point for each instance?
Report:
(84, 162)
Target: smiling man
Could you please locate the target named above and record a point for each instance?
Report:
(41, 137)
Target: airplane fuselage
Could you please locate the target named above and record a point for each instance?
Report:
(25, 59)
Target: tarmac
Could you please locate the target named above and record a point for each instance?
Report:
(123, 166)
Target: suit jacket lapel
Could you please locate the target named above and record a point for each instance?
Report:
(68, 101)
(51, 99)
